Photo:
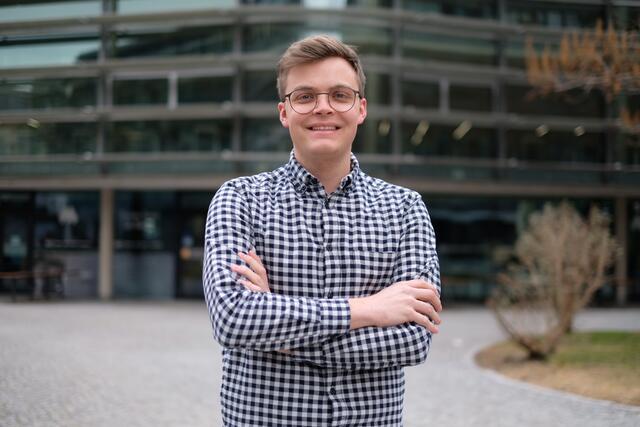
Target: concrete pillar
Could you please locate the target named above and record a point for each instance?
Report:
(621, 259)
(105, 257)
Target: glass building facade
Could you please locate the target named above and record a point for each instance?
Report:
(120, 118)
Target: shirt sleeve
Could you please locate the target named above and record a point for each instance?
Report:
(257, 320)
(402, 345)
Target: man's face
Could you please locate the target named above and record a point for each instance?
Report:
(322, 132)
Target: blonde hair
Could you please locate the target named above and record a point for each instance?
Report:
(313, 49)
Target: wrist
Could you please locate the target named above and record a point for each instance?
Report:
(360, 313)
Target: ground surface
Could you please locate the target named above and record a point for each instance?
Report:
(155, 364)
(598, 364)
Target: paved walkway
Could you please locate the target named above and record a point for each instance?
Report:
(155, 364)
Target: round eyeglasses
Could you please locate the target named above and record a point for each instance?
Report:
(304, 101)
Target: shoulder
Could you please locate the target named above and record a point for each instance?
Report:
(381, 191)
(247, 187)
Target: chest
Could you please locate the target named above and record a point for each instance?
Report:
(345, 246)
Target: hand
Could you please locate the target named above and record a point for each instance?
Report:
(410, 301)
(255, 276)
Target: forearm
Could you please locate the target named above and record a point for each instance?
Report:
(370, 348)
(267, 321)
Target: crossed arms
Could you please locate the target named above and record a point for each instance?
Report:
(390, 328)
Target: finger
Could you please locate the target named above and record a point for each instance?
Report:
(250, 286)
(430, 296)
(424, 321)
(428, 310)
(254, 263)
(247, 272)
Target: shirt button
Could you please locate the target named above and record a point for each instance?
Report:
(332, 391)
(329, 294)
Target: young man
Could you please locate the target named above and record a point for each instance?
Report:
(322, 283)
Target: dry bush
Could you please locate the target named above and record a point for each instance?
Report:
(562, 259)
(603, 59)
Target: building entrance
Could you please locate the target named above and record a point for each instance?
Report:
(16, 238)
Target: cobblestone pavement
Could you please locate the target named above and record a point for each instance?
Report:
(155, 364)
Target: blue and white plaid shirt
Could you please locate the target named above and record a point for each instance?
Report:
(318, 251)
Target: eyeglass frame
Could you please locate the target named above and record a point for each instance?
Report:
(288, 95)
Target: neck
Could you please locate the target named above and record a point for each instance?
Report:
(329, 171)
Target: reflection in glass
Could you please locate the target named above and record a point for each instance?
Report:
(47, 138)
(53, 51)
(15, 11)
(420, 94)
(67, 220)
(374, 136)
(260, 86)
(575, 103)
(626, 17)
(424, 138)
(277, 37)
(204, 89)
(180, 135)
(140, 92)
(554, 15)
(29, 94)
(143, 220)
(265, 135)
(556, 146)
(153, 6)
(145, 243)
(427, 46)
(470, 98)
(468, 8)
(378, 89)
(176, 41)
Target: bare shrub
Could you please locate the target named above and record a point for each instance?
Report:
(562, 260)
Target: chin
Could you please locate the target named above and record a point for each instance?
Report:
(323, 147)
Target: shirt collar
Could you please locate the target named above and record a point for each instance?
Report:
(302, 180)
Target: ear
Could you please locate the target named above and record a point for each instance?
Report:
(362, 114)
(282, 110)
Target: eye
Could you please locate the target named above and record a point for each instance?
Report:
(303, 97)
(342, 95)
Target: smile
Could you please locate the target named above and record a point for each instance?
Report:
(323, 128)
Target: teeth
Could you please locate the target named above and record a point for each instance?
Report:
(323, 128)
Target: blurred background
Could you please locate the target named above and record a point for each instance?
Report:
(119, 119)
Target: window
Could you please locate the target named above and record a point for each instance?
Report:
(47, 138)
(470, 98)
(179, 135)
(556, 146)
(420, 94)
(204, 89)
(153, 6)
(465, 140)
(66, 220)
(553, 14)
(378, 89)
(373, 136)
(176, 41)
(14, 11)
(47, 50)
(440, 47)
(576, 103)
(140, 92)
(260, 86)
(465, 8)
(265, 135)
(278, 36)
(30, 94)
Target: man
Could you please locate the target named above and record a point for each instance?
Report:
(322, 283)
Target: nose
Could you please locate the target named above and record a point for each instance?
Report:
(322, 104)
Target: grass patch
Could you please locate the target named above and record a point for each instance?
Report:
(603, 365)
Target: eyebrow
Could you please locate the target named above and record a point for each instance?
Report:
(339, 85)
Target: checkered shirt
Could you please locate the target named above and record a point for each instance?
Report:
(319, 250)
